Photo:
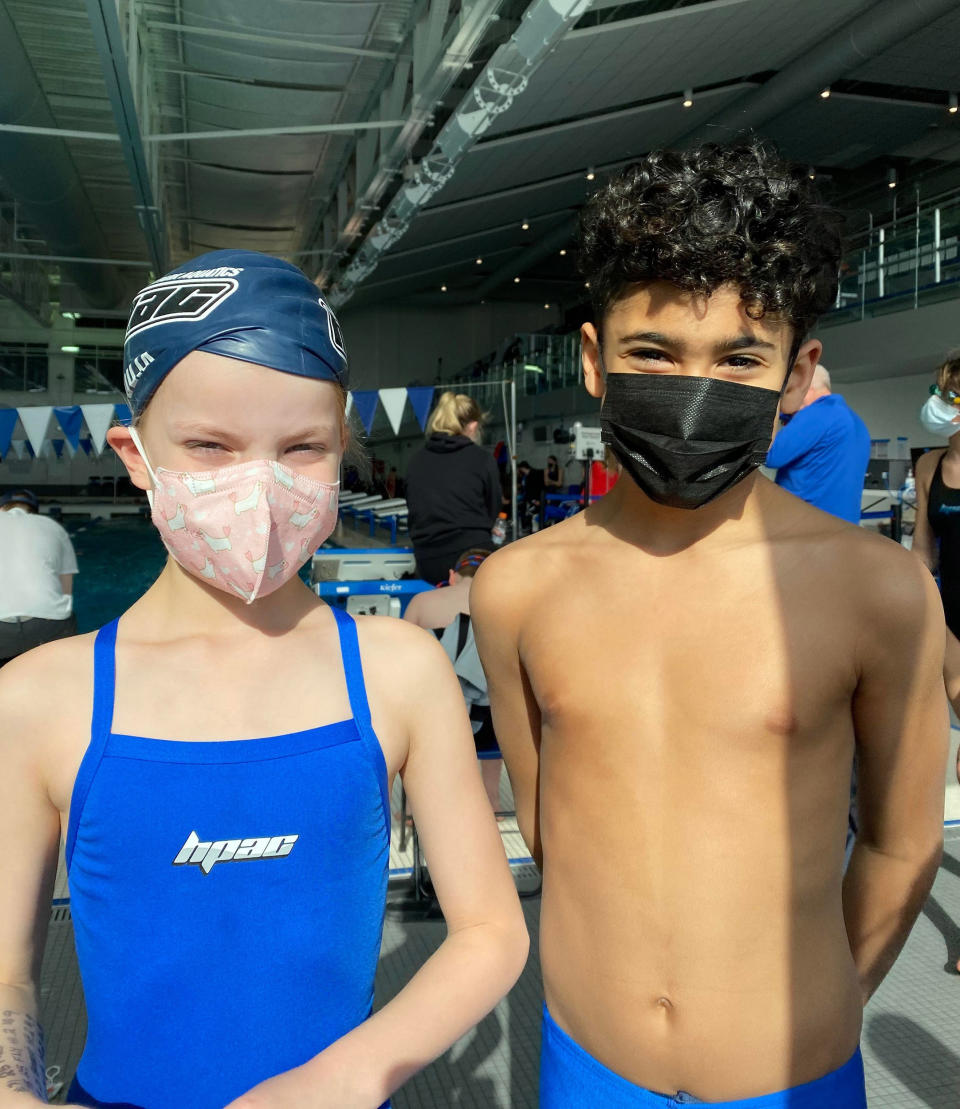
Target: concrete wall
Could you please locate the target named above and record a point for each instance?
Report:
(404, 346)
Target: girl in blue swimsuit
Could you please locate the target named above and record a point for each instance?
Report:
(219, 760)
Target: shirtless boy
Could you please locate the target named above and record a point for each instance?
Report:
(698, 938)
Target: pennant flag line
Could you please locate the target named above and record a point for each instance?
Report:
(35, 421)
(8, 421)
(98, 418)
(70, 418)
(421, 398)
(365, 401)
(394, 401)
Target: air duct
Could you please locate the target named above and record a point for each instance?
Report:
(39, 172)
(504, 78)
(861, 38)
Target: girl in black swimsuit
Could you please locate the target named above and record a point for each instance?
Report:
(936, 536)
(943, 515)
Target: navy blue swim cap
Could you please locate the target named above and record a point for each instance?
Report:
(19, 496)
(238, 303)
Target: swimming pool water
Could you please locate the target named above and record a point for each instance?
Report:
(117, 560)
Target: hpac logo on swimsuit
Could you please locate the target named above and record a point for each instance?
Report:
(178, 298)
(207, 854)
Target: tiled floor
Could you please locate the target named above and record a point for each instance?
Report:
(911, 1040)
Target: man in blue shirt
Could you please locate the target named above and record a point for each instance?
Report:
(821, 453)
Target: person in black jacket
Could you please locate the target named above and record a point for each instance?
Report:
(453, 488)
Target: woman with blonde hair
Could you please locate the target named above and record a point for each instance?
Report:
(453, 488)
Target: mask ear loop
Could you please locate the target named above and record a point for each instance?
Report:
(138, 443)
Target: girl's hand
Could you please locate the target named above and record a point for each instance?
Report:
(306, 1087)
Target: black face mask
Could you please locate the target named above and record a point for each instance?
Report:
(686, 440)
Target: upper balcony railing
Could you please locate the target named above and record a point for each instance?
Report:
(903, 264)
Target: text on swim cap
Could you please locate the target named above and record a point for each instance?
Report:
(134, 369)
(333, 329)
(174, 299)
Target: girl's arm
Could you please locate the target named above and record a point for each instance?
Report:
(487, 942)
(30, 834)
(924, 541)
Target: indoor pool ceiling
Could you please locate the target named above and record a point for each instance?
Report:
(387, 146)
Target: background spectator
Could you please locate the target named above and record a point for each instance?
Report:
(821, 452)
(453, 488)
(37, 564)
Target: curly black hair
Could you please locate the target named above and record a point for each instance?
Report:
(712, 216)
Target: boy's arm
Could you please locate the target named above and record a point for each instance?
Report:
(901, 728)
(496, 609)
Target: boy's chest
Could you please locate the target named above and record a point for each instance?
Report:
(724, 650)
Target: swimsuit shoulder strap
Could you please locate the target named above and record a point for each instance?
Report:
(352, 667)
(101, 722)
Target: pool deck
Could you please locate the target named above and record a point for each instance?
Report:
(911, 1036)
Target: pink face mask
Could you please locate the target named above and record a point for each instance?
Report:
(246, 529)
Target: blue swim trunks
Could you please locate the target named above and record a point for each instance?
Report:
(572, 1079)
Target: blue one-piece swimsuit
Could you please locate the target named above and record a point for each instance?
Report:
(227, 899)
(570, 1078)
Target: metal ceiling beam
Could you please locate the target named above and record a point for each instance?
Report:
(186, 136)
(77, 260)
(650, 17)
(113, 59)
(875, 28)
(42, 175)
(517, 265)
(265, 132)
(504, 78)
(436, 65)
(269, 40)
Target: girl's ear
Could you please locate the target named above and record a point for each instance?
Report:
(122, 442)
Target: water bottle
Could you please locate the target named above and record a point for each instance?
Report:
(499, 532)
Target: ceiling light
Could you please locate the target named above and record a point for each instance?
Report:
(546, 306)
(891, 178)
(688, 98)
(70, 350)
(516, 281)
(825, 93)
(591, 174)
(479, 261)
(811, 173)
(443, 288)
(952, 103)
(562, 252)
(525, 226)
(586, 284)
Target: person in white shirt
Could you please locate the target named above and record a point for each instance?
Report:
(37, 564)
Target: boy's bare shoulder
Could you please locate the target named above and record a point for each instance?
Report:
(516, 575)
(859, 566)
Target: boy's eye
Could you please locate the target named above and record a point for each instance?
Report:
(648, 355)
(741, 362)
(203, 446)
(319, 448)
